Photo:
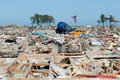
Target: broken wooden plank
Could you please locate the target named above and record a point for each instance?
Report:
(40, 71)
(62, 64)
(96, 75)
(25, 79)
(27, 71)
(106, 57)
(71, 54)
(18, 71)
(20, 66)
(41, 64)
(68, 56)
(11, 64)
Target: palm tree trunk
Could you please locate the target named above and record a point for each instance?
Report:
(109, 23)
(99, 24)
(114, 23)
(106, 23)
(32, 25)
(103, 24)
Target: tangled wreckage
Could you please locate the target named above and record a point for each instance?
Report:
(87, 53)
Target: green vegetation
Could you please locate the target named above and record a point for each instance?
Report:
(103, 19)
(40, 20)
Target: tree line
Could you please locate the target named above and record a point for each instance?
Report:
(110, 20)
(40, 20)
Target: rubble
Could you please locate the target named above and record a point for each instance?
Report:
(39, 53)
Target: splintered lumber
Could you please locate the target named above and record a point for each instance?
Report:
(3, 64)
(106, 57)
(62, 64)
(27, 71)
(71, 54)
(67, 56)
(20, 66)
(40, 71)
(76, 69)
(23, 79)
(18, 71)
(23, 57)
(14, 79)
(95, 75)
(11, 64)
(41, 64)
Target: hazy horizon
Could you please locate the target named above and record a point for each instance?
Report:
(87, 11)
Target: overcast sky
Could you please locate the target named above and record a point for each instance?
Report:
(87, 11)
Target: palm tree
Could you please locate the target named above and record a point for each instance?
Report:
(47, 20)
(32, 21)
(53, 20)
(50, 20)
(115, 21)
(99, 21)
(37, 20)
(40, 20)
(103, 19)
(106, 20)
(111, 19)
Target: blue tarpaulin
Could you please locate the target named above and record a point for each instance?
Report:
(62, 27)
(39, 35)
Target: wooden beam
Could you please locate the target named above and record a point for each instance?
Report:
(2, 64)
(41, 64)
(18, 71)
(27, 71)
(106, 57)
(25, 79)
(62, 64)
(96, 75)
(20, 66)
(22, 57)
(11, 64)
(40, 71)
(71, 54)
(68, 56)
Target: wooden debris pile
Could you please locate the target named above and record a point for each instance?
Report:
(41, 66)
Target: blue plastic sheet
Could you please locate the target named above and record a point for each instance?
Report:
(35, 33)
